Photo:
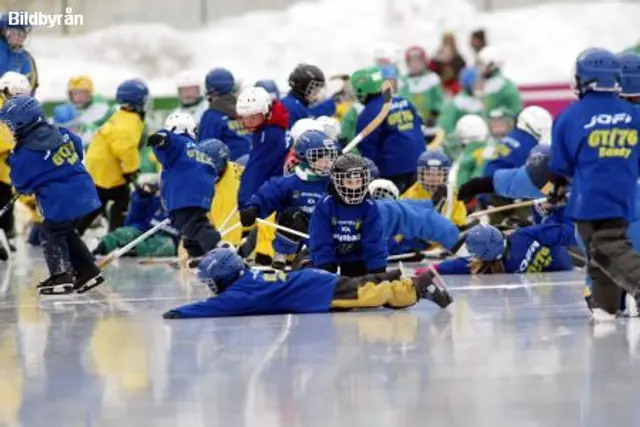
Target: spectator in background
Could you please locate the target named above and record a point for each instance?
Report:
(478, 41)
(13, 56)
(448, 63)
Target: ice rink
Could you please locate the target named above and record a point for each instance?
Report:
(511, 351)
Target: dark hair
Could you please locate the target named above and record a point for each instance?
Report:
(480, 35)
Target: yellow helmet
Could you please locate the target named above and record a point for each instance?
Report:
(81, 83)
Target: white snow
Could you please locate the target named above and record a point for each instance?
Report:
(539, 42)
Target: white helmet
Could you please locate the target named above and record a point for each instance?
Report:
(253, 100)
(330, 126)
(303, 125)
(188, 78)
(537, 121)
(471, 127)
(14, 84)
(181, 122)
(491, 57)
(383, 189)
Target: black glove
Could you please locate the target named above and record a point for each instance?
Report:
(159, 140)
(294, 219)
(439, 197)
(559, 189)
(475, 186)
(172, 314)
(131, 176)
(248, 216)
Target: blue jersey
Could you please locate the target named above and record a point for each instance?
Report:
(347, 233)
(595, 142)
(18, 61)
(255, 293)
(513, 151)
(48, 163)
(284, 192)
(145, 211)
(534, 249)
(216, 124)
(397, 143)
(296, 108)
(268, 153)
(188, 175)
(323, 108)
(406, 223)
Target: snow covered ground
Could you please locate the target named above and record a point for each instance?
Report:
(539, 42)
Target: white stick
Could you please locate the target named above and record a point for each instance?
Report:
(452, 179)
(228, 218)
(135, 242)
(400, 257)
(230, 229)
(282, 228)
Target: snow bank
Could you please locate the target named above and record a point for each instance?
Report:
(539, 42)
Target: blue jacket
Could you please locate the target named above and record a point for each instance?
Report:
(256, 293)
(18, 61)
(324, 108)
(144, 212)
(407, 220)
(268, 153)
(48, 163)
(534, 249)
(291, 191)
(397, 143)
(216, 124)
(188, 175)
(347, 233)
(595, 143)
(298, 109)
(517, 144)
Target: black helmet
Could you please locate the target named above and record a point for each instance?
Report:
(305, 81)
(350, 178)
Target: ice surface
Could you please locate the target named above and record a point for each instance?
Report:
(539, 42)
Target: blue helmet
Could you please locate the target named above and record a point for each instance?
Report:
(373, 169)
(485, 242)
(134, 93)
(242, 160)
(270, 86)
(21, 113)
(433, 169)
(630, 74)
(218, 151)
(468, 77)
(389, 72)
(598, 70)
(219, 81)
(314, 145)
(220, 267)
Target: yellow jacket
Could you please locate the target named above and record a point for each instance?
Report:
(113, 151)
(416, 192)
(225, 201)
(6, 145)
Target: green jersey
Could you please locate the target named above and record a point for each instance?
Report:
(471, 161)
(348, 125)
(457, 107)
(500, 92)
(424, 91)
(91, 118)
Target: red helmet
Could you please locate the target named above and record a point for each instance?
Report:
(415, 52)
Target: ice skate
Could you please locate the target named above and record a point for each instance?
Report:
(429, 285)
(84, 283)
(59, 284)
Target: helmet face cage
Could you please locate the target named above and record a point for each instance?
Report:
(432, 177)
(499, 127)
(320, 160)
(352, 185)
(382, 193)
(313, 91)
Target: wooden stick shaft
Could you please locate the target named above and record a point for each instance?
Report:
(135, 242)
(282, 228)
(377, 120)
(506, 208)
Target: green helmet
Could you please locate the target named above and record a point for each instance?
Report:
(366, 82)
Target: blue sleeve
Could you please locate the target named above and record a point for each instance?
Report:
(453, 266)
(209, 126)
(515, 183)
(271, 196)
(321, 246)
(77, 144)
(554, 234)
(369, 146)
(21, 174)
(374, 245)
(168, 154)
(324, 108)
(228, 303)
(562, 159)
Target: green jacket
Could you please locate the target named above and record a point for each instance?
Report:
(348, 125)
(457, 107)
(500, 92)
(472, 161)
(424, 91)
